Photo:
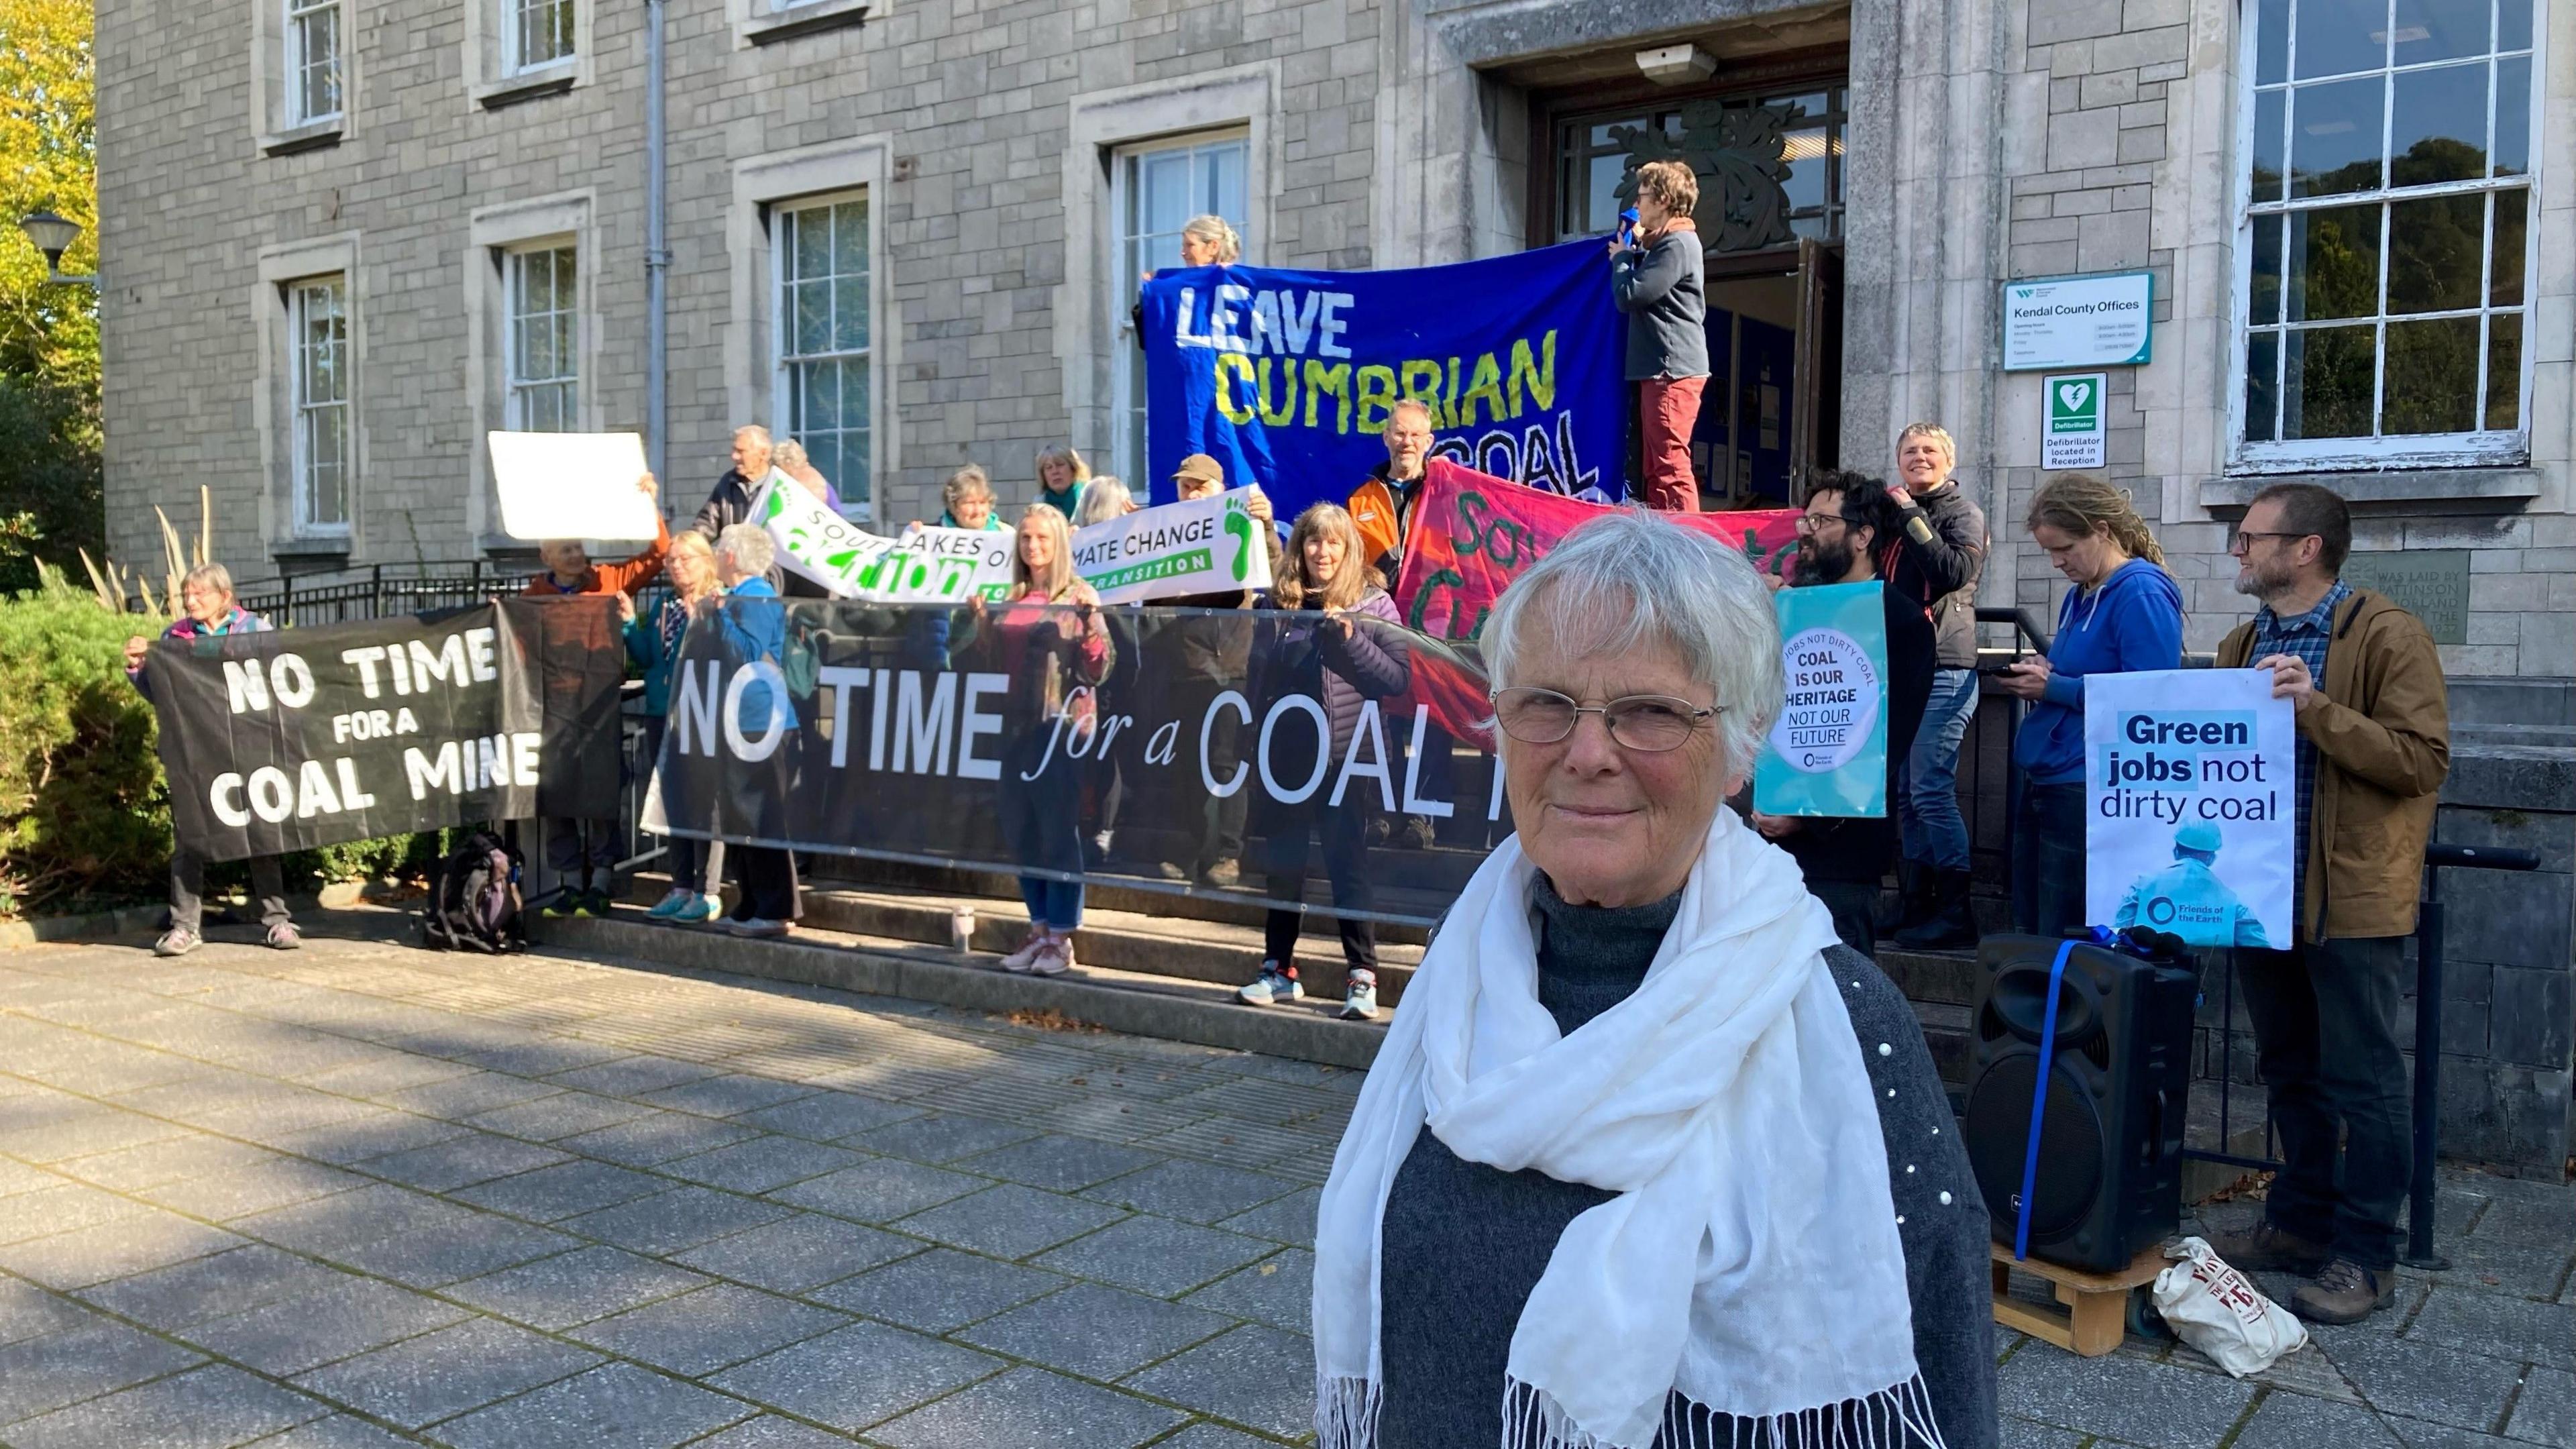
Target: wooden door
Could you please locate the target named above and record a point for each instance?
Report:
(1817, 392)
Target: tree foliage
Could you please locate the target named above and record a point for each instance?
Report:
(49, 358)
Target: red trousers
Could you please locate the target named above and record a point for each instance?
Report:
(1670, 410)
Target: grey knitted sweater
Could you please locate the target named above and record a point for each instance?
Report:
(1463, 1243)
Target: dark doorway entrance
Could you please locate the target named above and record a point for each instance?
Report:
(1767, 145)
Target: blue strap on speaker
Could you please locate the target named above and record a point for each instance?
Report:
(2039, 1102)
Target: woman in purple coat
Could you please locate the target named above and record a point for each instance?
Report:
(1340, 643)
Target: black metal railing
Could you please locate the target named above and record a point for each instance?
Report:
(2422, 1202)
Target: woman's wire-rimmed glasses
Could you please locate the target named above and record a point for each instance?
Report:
(1649, 723)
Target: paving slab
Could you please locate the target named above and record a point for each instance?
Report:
(1009, 1221)
(350, 1317)
(1031, 1406)
(1095, 1331)
(853, 1377)
(1155, 1255)
(1197, 1192)
(2159, 1406)
(708, 1329)
(616, 1406)
(207, 1408)
(41, 1374)
(575, 1287)
(939, 1290)
(442, 1374)
(675, 1220)
(799, 1253)
(1254, 1376)
(760, 1164)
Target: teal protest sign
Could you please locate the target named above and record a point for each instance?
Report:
(1827, 754)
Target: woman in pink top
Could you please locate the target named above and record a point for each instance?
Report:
(1052, 641)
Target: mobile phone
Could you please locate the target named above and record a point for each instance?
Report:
(2004, 668)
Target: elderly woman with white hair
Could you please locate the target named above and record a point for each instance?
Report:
(1647, 1157)
(752, 622)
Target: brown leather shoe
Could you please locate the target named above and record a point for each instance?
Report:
(2268, 1249)
(2345, 1292)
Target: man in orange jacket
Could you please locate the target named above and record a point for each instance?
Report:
(1383, 507)
(583, 853)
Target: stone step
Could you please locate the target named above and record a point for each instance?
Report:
(1949, 977)
(1109, 889)
(1214, 953)
(1135, 1002)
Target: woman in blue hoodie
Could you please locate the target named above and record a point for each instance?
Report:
(2123, 615)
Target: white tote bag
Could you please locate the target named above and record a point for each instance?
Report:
(2220, 1312)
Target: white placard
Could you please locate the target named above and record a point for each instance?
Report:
(572, 485)
(2103, 321)
(923, 566)
(2191, 805)
(1204, 546)
(2071, 430)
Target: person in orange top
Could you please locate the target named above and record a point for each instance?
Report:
(583, 853)
(570, 571)
(1383, 505)
(1382, 508)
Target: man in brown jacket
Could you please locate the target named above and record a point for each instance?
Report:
(2373, 746)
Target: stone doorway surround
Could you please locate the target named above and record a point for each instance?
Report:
(1924, 191)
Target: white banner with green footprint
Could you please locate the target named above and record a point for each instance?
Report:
(921, 566)
(1205, 546)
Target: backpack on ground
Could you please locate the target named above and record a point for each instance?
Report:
(474, 902)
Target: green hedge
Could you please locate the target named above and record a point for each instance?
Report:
(84, 812)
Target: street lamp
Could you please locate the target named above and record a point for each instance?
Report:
(54, 235)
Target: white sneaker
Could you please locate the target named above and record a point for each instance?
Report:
(759, 927)
(1271, 987)
(1054, 957)
(1021, 959)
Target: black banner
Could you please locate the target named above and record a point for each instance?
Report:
(1226, 752)
(295, 738)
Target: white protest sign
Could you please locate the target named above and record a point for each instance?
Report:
(923, 566)
(1204, 546)
(572, 485)
(2191, 804)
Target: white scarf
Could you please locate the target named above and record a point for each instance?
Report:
(1751, 1258)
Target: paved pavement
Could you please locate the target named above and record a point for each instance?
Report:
(365, 1195)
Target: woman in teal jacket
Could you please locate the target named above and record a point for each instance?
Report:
(654, 644)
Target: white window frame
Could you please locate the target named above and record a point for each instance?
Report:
(1124, 449)
(1088, 317)
(762, 184)
(304, 411)
(2482, 448)
(298, 62)
(565, 315)
(783, 364)
(514, 15)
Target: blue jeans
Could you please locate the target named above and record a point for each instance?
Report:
(1927, 790)
(1057, 903)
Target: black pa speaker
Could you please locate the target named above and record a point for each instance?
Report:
(2110, 1139)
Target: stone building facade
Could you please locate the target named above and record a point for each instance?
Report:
(344, 238)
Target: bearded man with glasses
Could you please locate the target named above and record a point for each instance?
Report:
(1847, 858)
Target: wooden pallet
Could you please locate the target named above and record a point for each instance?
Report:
(2096, 1312)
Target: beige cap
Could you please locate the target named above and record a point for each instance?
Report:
(1200, 468)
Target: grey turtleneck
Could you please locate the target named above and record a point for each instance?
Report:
(1463, 1243)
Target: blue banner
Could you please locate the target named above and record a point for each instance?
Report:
(1827, 754)
(1286, 378)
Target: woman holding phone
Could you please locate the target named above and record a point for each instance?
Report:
(2124, 615)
